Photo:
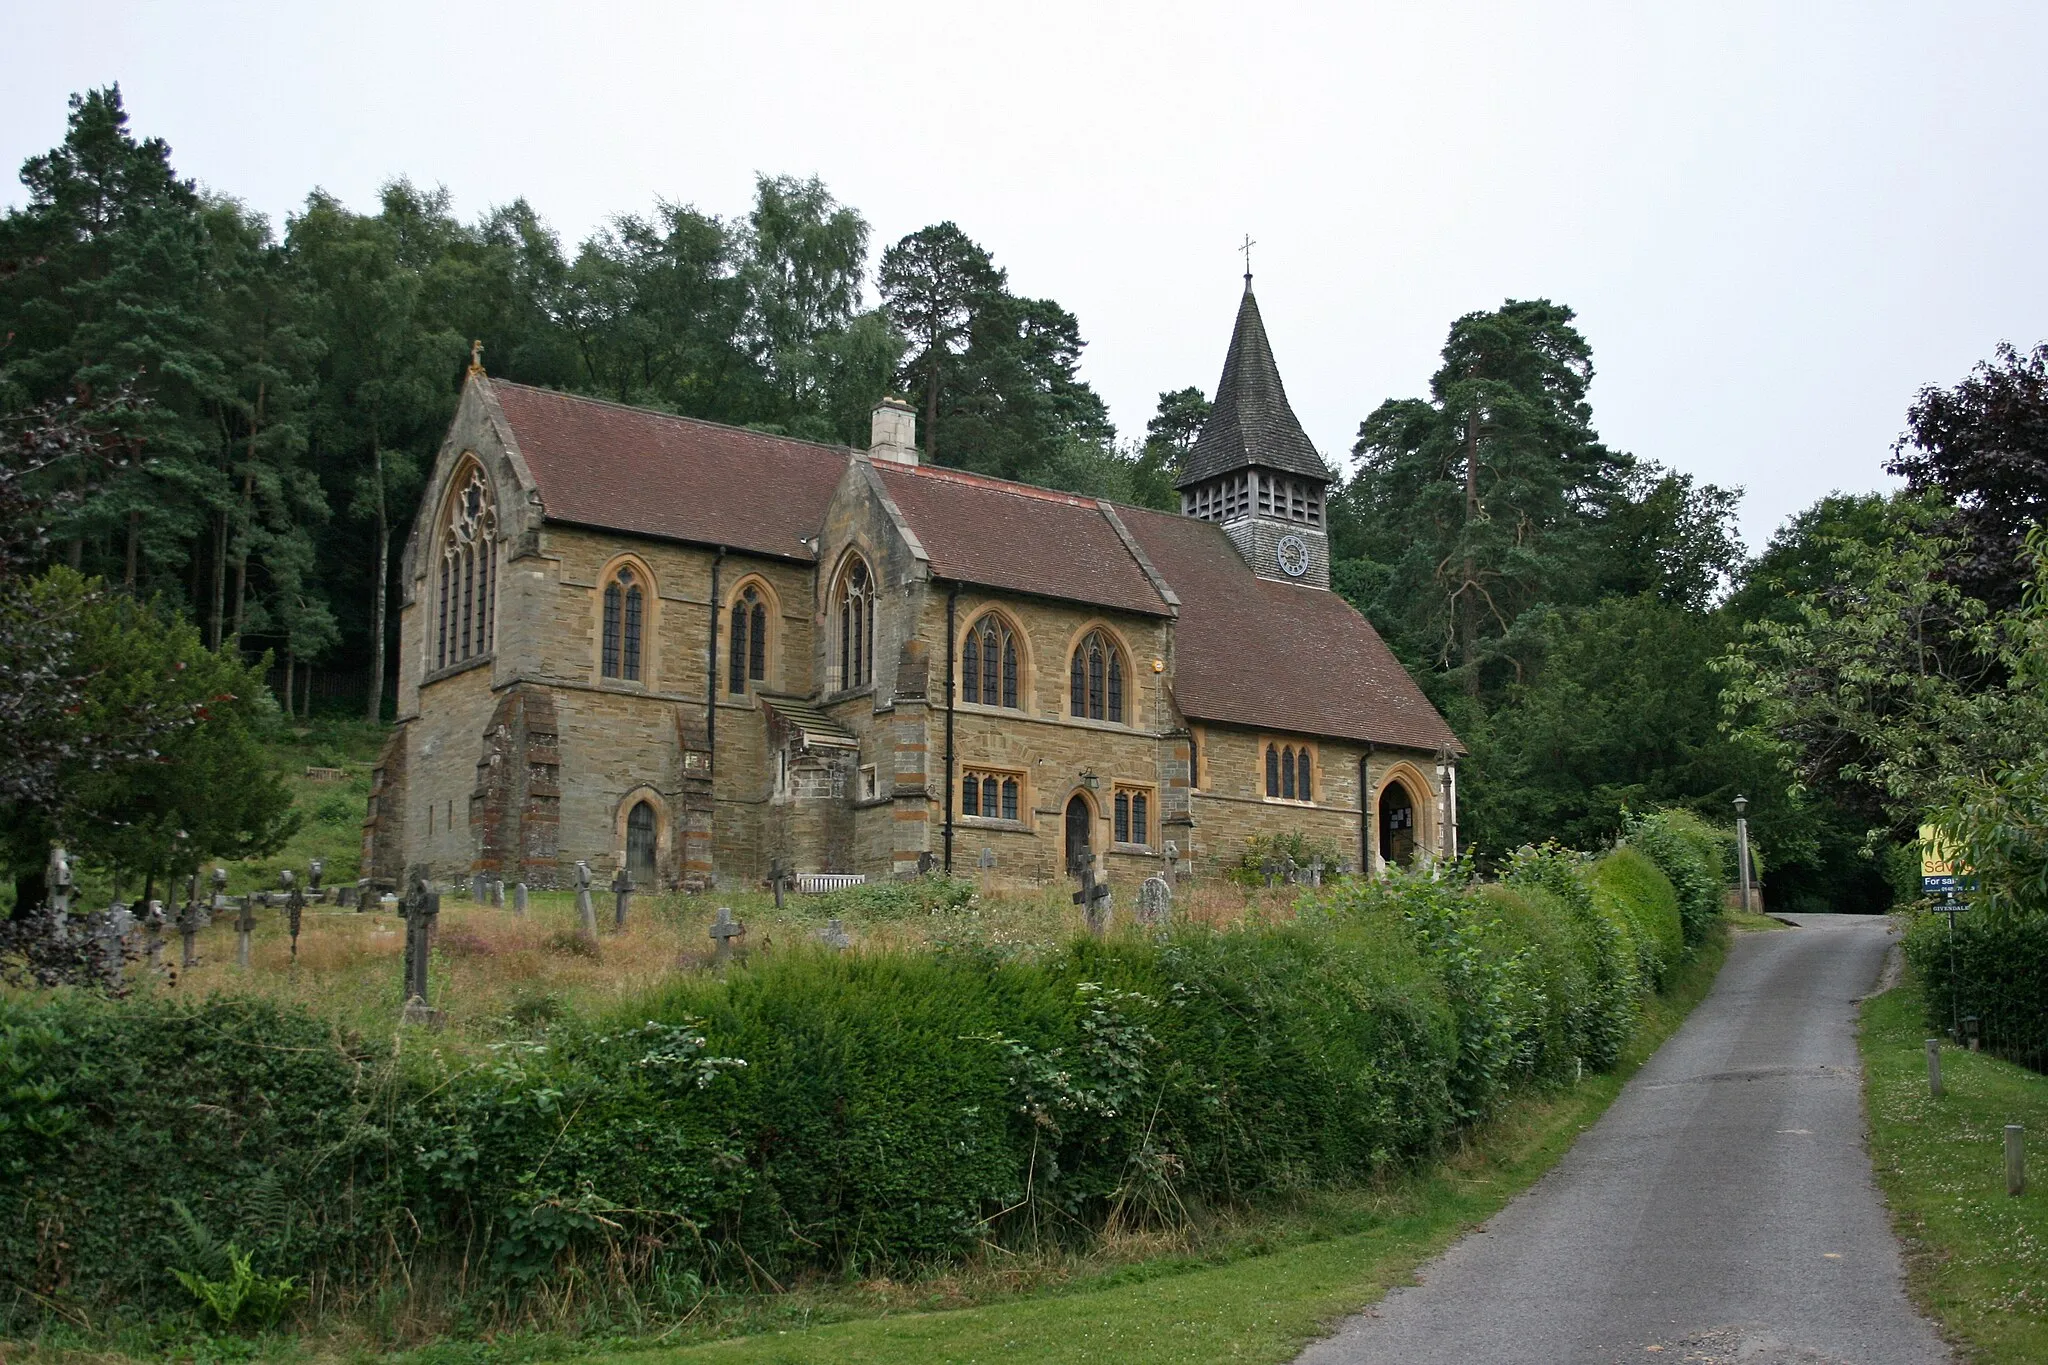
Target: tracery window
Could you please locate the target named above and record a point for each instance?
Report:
(989, 795)
(1133, 815)
(856, 607)
(1095, 684)
(625, 621)
(465, 617)
(748, 659)
(988, 663)
(1290, 772)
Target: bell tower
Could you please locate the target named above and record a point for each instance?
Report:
(1254, 470)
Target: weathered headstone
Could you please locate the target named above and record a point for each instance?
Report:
(1172, 861)
(153, 929)
(313, 871)
(57, 878)
(834, 936)
(586, 914)
(422, 914)
(926, 863)
(1155, 903)
(363, 899)
(777, 875)
(476, 887)
(245, 925)
(219, 903)
(344, 896)
(723, 931)
(622, 899)
(1093, 898)
(188, 930)
(519, 898)
(1271, 870)
(110, 947)
(1315, 872)
(497, 893)
(294, 908)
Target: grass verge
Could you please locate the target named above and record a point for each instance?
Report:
(1256, 1294)
(1977, 1259)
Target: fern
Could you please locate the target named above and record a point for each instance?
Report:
(242, 1297)
(193, 1245)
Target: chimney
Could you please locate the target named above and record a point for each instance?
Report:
(893, 435)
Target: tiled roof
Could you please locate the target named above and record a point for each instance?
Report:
(1013, 536)
(628, 469)
(815, 727)
(1251, 422)
(1278, 656)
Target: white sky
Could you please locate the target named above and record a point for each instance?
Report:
(1776, 221)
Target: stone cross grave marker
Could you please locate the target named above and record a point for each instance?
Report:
(1271, 870)
(1093, 898)
(622, 899)
(586, 915)
(1315, 871)
(1155, 903)
(723, 931)
(314, 890)
(188, 929)
(219, 903)
(834, 936)
(422, 914)
(294, 907)
(519, 898)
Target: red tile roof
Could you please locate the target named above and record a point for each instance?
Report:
(1010, 535)
(1277, 656)
(628, 469)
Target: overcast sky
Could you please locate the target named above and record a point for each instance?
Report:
(1775, 221)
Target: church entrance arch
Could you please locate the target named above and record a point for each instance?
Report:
(641, 844)
(1080, 830)
(1397, 824)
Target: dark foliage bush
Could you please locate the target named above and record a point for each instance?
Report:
(1699, 860)
(2000, 976)
(807, 1112)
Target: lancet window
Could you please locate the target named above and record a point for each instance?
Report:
(856, 607)
(988, 663)
(747, 661)
(1095, 684)
(465, 616)
(625, 624)
(1290, 773)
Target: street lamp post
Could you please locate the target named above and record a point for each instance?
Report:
(1742, 849)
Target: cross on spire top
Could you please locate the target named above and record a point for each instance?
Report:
(1247, 250)
(476, 357)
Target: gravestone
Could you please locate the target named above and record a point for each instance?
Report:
(314, 891)
(476, 887)
(586, 915)
(345, 897)
(497, 893)
(519, 899)
(219, 903)
(245, 925)
(777, 875)
(834, 936)
(1172, 861)
(1155, 903)
(188, 930)
(57, 878)
(723, 932)
(1315, 872)
(987, 864)
(1270, 870)
(926, 863)
(622, 899)
(1093, 898)
(422, 915)
(153, 929)
(294, 908)
(110, 946)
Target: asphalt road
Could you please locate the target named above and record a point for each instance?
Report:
(1722, 1210)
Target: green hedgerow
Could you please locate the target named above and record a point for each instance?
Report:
(1629, 881)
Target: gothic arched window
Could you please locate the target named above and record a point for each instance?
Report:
(625, 624)
(856, 607)
(1095, 685)
(1272, 770)
(748, 660)
(465, 617)
(988, 663)
(1290, 772)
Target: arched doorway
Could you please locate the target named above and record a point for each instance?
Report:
(1080, 831)
(1397, 824)
(640, 845)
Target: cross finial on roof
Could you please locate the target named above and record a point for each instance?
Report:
(476, 357)
(1247, 250)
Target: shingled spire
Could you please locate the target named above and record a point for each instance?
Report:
(1251, 423)
(1253, 468)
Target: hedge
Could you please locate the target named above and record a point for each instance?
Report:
(2000, 977)
(807, 1112)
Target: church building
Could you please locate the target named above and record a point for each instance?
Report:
(702, 652)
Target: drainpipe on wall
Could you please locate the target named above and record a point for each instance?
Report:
(946, 830)
(711, 687)
(1365, 813)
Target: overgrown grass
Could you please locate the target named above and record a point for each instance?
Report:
(1977, 1259)
(1254, 1289)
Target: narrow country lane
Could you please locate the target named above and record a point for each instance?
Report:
(1722, 1210)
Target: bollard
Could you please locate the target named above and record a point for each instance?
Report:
(1934, 1067)
(2015, 1160)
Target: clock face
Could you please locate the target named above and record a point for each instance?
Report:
(1293, 555)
